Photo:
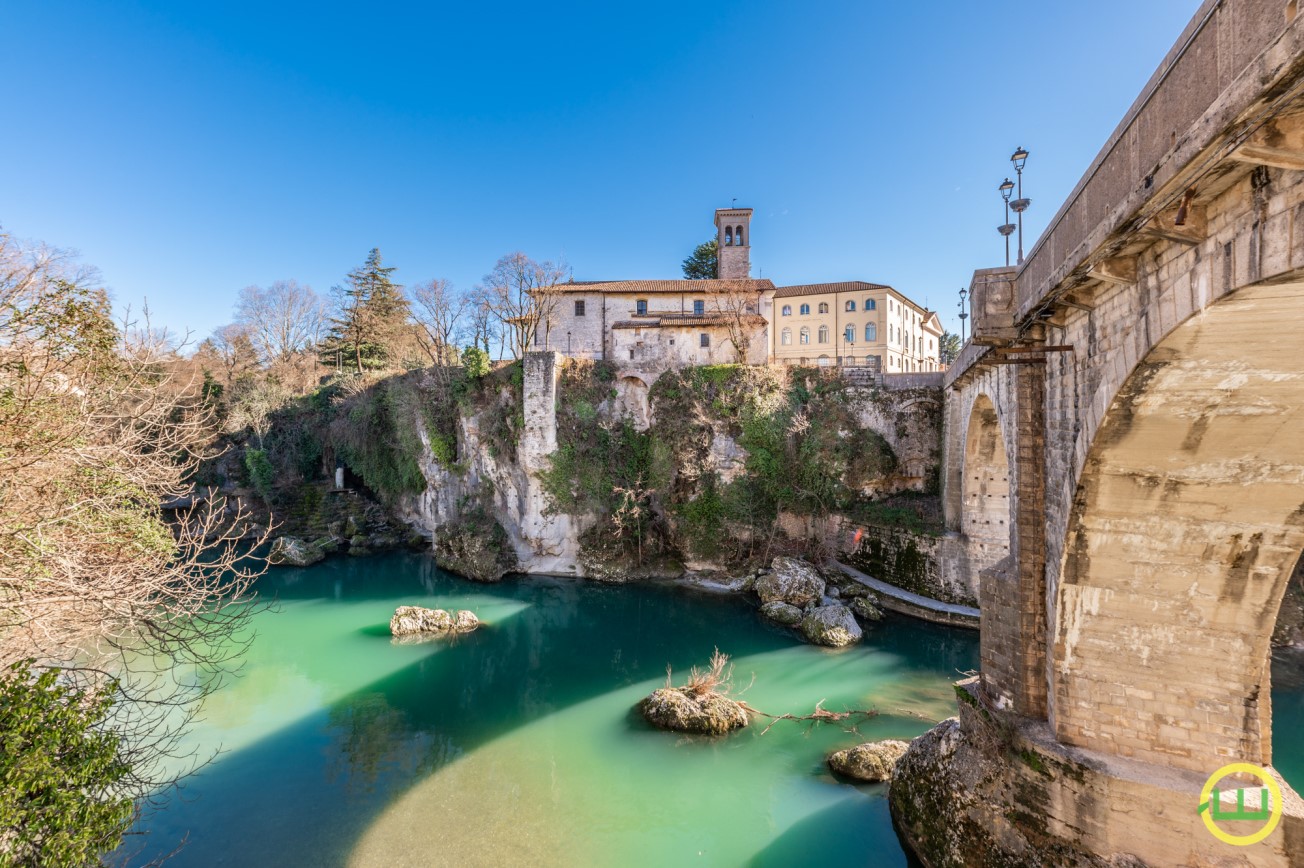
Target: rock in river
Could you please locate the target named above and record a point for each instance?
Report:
(294, 552)
(682, 710)
(833, 626)
(416, 620)
(791, 581)
(781, 613)
(865, 609)
(871, 761)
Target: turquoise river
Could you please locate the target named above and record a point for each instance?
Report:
(516, 745)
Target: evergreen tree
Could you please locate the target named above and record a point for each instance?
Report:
(948, 347)
(702, 264)
(371, 317)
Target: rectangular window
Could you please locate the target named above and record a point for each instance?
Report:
(705, 339)
(699, 307)
(579, 308)
(640, 307)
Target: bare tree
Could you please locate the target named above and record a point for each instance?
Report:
(480, 321)
(230, 350)
(737, 302)
(438, 313)
(283, 320)
(522, 296)
(95, 435)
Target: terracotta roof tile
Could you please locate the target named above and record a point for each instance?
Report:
(651, 286)
(827, 288)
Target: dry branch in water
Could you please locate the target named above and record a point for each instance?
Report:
(820, 714)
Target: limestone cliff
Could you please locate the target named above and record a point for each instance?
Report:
(602, 476)
(502, 483)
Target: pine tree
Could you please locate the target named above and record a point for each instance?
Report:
(371, 317)
(702, 264)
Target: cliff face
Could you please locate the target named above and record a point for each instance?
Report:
(602, 476)
(502, 484)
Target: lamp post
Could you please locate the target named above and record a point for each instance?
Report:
(1007, 227)
(964, 313)
(1018, 158)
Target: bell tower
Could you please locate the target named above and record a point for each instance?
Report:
(733, 237)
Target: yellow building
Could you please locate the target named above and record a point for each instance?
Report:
(852, 323)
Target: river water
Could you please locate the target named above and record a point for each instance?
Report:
(516, 744)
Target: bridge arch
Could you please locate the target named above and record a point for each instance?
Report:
(1186, 522)
(985, 486)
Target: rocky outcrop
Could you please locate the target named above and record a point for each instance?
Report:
(782, 613)
(540, 540)
(832, 626)
(791, 581)
(683, 710)
(865, 610)
(477, 550)
(872, 761)
(294, 552)
(420, 621)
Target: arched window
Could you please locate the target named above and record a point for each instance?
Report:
(849, 334)
(871, 332)
(851, 305)
(787, 310)
(738, 235)
(804, 337)
(785, 337)
(805, 310)
(824, 334)
(870, 304)
(824, 308)
(728, 236)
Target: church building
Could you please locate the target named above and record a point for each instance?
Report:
(660, 324)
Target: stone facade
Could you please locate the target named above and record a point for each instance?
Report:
(853, 323)
(589, 317)
(681, 341)
(733, 228)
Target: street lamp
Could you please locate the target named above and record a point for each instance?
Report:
(1007, 227)
(1018, 158)
(964, 313)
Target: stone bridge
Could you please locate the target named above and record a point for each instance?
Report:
(1125, 469)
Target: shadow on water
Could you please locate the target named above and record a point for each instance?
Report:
(312, 788)
(846, 821)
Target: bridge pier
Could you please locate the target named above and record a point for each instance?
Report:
(997, 788)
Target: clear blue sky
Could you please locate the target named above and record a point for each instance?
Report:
(191, 149)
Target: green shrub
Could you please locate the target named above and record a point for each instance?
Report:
(61, 772)
(261, 472)
(476, 362)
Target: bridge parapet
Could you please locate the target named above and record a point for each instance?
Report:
(1232, 67)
